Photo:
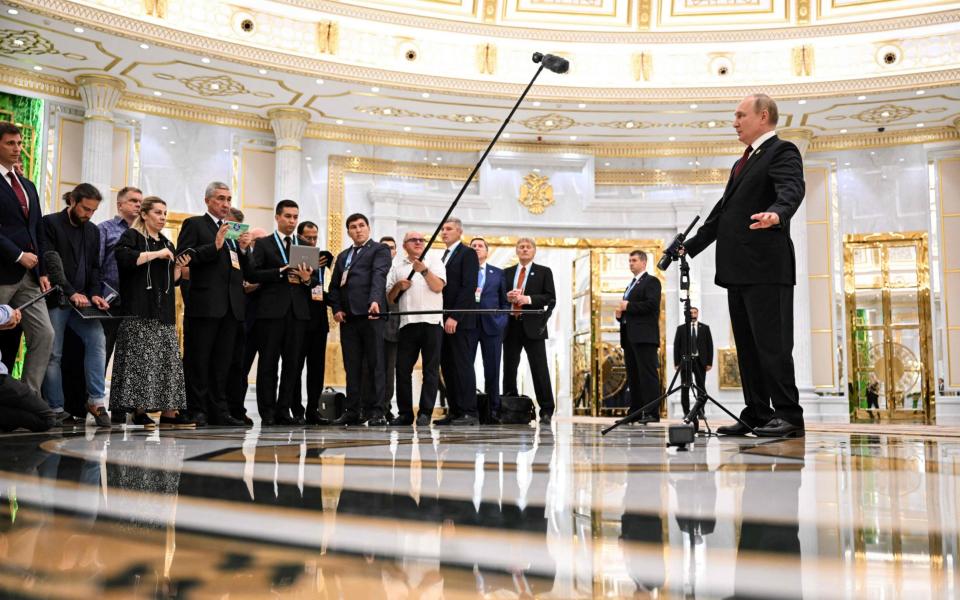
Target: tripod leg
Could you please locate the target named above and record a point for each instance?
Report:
(637, 413)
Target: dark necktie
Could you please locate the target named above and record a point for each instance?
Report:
(446, 253)
(18, 190)
(286, 246)
(742, 162)
(693, 339)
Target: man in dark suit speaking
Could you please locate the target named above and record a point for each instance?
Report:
(639, 317)
(701, 349)
(755, 262)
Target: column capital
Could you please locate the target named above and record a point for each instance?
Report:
(289, 125)
(100, 95)
(801, 136)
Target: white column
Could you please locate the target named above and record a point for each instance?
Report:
(289, 125)
(803, 361)
(100, 95)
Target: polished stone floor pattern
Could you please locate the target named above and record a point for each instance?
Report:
(496, 512)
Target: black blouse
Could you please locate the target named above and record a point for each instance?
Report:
(147, 290)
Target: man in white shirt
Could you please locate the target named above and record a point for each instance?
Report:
(419, 334)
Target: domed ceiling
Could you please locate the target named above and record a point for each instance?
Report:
(642, 71)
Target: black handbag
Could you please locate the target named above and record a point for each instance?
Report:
(516, 410)
(331, 403)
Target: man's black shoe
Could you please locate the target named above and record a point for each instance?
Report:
(247, 421)
(423, 420)
(346, 419)
(447, 420)
(546, 419)
(288, 420)
(493, 420)
(777, 427)
(735, 429)
(266, 422)
(377, 421)
(644, 419)
(465, 421)
(314, 418)
(200, 418)
(225, 421)
(401, 421)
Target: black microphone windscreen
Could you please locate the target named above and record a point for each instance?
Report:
(54, 266)
(556, 63)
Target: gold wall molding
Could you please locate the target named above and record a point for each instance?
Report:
(830, 143)
(661, 177)
(259, 57)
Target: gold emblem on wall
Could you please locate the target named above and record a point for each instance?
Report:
(642, 66)
(803, 60)
(486, 59)
(328, 37)
(536, 193)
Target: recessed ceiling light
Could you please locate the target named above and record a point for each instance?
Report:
(387, 111)
(885, 114)
(205, 60)
(536, 170)
(712, 124)
(339, 121)
(606, 164)
(921, 92)
(506, 135)
(468, 119)
(234, 106)
(548, 123)
(37, 68)
(13, 11)
(157, 93)
(573, 138)
(629, 125)
(78, 29)
(349, 151)
(406, 129)
(164, 127)
(672, 138)
(802, 102)
(226, 149)
(438, 159)
(919, 124)
(145, 46)
(425, 95)
(861, 97)
(901, 160)
(374, 89)
(262, 71)
(846, 164)
(843, 131)
(872, 153)
(696, 162)
(693, 107)
(172, 142)
(319, 82)
(582, 105)
(308, 158)
(425, 158)
(537, 103)
(690, 164)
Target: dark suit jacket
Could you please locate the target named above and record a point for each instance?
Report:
(366, 283)
(493, 295)
(277, 295)
(462, 266)
(539, 286)
(704, 344)
(641, 320)
(54, 236)
(17, 234)
(215, 286)
(318, 310)
(771, 181)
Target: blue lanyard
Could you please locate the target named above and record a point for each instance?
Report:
(283, 253)
(351, 256)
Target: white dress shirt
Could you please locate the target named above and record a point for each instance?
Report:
(419, 296)
(759, 142)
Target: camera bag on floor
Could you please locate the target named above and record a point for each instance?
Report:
(516, 410)
(331, 403)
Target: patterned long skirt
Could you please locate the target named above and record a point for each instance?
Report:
(147, 369)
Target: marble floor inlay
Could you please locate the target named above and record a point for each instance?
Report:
(494, 512)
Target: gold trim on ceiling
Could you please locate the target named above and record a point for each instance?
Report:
(309, 66)
(661, 177)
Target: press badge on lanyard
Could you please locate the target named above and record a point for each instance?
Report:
(234, 259)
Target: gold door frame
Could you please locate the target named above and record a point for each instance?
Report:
(596, 344)
(884, 241)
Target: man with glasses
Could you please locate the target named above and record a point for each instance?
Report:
(420, 335)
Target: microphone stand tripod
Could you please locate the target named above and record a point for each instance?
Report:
(683, 434)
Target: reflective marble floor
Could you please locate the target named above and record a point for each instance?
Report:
(503, 512)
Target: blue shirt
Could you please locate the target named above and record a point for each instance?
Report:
(110, 232)
(5, 313)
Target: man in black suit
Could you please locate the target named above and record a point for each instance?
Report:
(701, 348)
(491, 292)
(639, 317)
(755, 262)
(456, 362)
(282, 317)
(531, 287)
(215, 307)
(356, 294)
(76, 240)
(21, 256)
(313, 352)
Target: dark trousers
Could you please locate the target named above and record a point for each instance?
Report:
(313, 356)
(389, 374)
(238, 373)
(642, 374)
(279, 338)
(205, 365)
(417, 339)
(491, 349)
(761, 317)
(110, 329)
(514, 342)
(22, 407)
(458, 374)
(362, 339)
(699, 378)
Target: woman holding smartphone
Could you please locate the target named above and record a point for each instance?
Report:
(147, 368)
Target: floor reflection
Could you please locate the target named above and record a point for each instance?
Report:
(496, 513)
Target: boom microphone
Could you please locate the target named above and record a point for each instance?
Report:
(552, 62)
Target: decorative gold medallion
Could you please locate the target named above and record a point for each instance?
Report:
(536, 193)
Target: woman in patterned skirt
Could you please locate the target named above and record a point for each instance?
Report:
(147, 369)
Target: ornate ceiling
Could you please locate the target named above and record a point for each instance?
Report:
(642, 70)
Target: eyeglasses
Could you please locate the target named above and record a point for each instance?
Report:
(416, 240)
